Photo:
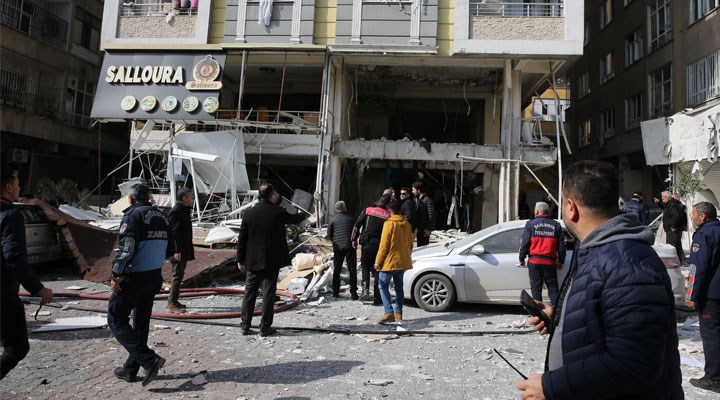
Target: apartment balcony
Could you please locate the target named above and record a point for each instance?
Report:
(34, 20)
(516, 27)
(404, 26)
(288, 22)
(163, 21)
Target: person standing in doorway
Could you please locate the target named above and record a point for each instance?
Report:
(261, 251)
(544, 245)
(145, 241)
(703, 293)
(393, 258)
(14, 272)
(340, 232)
(424, 214)
(367, 230)
(181, 224)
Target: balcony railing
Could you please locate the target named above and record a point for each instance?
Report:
(500, 8)
(34, 20)
(151, 8)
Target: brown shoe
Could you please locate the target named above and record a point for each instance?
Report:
(398, 317)
(269, 332)
(173, 308)
(385, 319)
(246, 331)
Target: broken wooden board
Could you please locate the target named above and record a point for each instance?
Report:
(72, 324)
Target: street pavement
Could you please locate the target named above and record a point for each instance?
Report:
(346, 356)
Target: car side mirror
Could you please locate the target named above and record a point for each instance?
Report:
(478, 250)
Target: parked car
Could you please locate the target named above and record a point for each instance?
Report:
(41, 235)
(483, 268)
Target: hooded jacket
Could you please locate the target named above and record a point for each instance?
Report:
(396, 244)
(615, 334)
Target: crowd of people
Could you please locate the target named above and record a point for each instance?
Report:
(612, 325)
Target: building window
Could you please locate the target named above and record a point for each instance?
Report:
(606, 13)
(585, 133)
(606, 67)
(78, 102)
(701, 8)
(661, 91)
(584, 84)
(12, 89)
(86, 30)
(633, 47)
(703, 79)
(607, 122)
(660, 23)
(633, 111)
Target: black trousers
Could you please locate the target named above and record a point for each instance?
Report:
(710, 334)
(13, 332)
(367, 262)
(340, 255)
(136, 297)
(178, 270)
(674, 239)
(422, 240)
(253, 280)
(540, 273)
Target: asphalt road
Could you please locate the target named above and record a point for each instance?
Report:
(340, 353)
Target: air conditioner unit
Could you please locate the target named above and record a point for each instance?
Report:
(18, 156)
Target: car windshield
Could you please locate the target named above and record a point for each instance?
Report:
(472, 238)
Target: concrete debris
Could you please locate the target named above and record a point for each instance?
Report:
(690, 349)
(378, 382)
(75, 288)
(199, 379)
(161, 327)
(519, 324)
(691, 324)
(377, 337)
(40, 314)
(691, 362)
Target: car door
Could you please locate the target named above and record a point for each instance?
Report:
(494, 275)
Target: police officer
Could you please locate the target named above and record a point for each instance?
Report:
(703, 291)
(145, 240)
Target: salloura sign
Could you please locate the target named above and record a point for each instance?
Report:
(161, 86)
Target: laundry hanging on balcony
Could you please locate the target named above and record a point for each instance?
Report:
(265, 12)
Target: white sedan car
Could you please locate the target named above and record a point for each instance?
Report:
(483, 268)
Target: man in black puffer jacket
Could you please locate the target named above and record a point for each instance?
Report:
(614, 329)
(340, 232)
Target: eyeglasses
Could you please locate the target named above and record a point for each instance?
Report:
(403, 194)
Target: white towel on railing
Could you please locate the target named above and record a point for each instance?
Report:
(265, 12)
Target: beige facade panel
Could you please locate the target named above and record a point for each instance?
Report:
(494, 28)
(182, 26)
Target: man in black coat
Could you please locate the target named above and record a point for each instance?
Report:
(673, 222)
(340, 232)
(424, 214)
(181, 224)
(261, 251)
(14, 271)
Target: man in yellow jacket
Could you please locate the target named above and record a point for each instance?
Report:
(393, 258)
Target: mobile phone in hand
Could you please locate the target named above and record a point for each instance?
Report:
(531, 307)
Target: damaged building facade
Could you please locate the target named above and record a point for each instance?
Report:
(342, 98)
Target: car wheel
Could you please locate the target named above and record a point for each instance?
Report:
(292, 232)
(434, 293)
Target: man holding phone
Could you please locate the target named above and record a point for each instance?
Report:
(613, 333)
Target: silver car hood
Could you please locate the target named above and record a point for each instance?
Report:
(437, 250)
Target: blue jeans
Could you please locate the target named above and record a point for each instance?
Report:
(397, 277)
(136, 298)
